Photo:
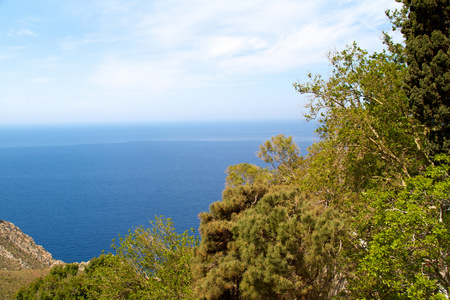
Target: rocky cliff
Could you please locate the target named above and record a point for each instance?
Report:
(18, 251)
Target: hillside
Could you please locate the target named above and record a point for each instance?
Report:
(18, 251)
(21, 260)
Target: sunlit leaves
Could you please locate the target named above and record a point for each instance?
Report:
(405, 239)
(161, 257)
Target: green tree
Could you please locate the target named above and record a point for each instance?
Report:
(283, 156)
(218, 269)
(269, 244)
(150, 263)
(367, 134)
(247, 174)
(290, 248)
(425, 25)
(111, 277)
(218, 274)
(404, 240)
(369, 165)
(284, 160)
(265, 239)
(160, 257)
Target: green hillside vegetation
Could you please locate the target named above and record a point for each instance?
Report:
(12, 281)
(150, 263)
(364, 214)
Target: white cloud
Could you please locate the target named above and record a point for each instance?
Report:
(150, 76)
(226, 46)
(21, 32)
(174, 39)
(69, 43)
(112, 51)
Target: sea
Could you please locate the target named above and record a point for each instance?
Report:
(74, 188)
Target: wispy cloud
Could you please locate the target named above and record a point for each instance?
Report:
(21, 32)
(174, 39)
(111, 51)
(146, 75)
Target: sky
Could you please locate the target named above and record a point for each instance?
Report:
(109, 61)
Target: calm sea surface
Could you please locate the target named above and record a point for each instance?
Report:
(74, 188)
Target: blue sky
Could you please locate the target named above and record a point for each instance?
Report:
(89, 61)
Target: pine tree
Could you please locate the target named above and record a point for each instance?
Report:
(290, 248)
(217, 269)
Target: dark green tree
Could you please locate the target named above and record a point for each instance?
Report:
(289, 247)
(218, 273)
(425, 25)
(260, 243)
(265, 239)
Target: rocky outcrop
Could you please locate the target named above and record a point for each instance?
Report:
(18, 251)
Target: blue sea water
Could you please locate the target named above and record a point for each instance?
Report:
(74, 188)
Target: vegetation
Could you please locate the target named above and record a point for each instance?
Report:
(12, 281)
(406, 250)
(425, 27)
(364, 215)
(152, 263)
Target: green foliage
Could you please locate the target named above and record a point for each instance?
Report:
(268, 244)
(111, 277)
(61, 283)
(283, 155)
(404, 240)
(150, 263)
(426, 28)
(160, 257)
(290, 248)
(369, 166)
(365, 125)
(217, 273)
(247, 174)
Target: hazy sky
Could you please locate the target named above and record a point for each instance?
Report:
(166, 60)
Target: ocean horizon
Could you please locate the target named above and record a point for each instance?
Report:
(74, 188)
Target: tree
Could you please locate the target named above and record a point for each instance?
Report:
(217, 271)
(289, 248)
(150, 263)
(265, 239)
(160, 257)
(425, 25)
(367, 135)
(404, 240)
(283, 156)
(284, 160)
(369, 165)
(247, 174)
(269, 244)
